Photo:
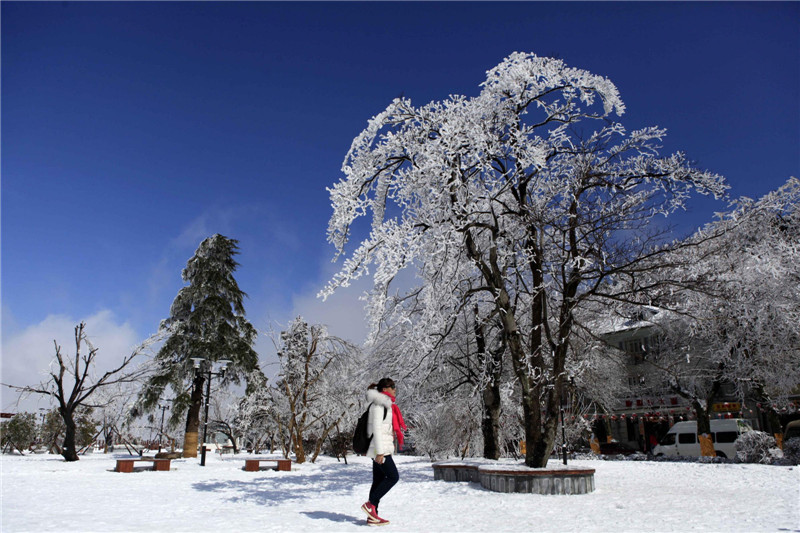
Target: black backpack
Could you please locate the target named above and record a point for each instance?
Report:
(361, 436)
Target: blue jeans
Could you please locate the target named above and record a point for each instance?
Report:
(384, 477)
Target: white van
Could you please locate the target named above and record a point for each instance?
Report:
(681, 439)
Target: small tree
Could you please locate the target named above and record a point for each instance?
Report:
(256, 413)
(224, 418)
(52, 431)
(316, 383)
(18, 433)
(74, 386)
(207, 320)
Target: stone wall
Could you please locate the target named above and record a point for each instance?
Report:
(515, 478)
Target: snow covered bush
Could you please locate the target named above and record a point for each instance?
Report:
(756, 447)
(449, 429)
(791, 451)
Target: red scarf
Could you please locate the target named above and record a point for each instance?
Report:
(397, 421)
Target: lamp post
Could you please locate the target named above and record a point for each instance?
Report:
(563, 421)
(43, 415)
(163, 408)
(563, 435)
(204, 367)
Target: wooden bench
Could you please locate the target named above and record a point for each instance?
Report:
(254, 465)
(126, 465)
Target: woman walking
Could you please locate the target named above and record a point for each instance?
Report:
(385, 423)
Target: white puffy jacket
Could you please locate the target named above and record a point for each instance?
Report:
(380, 426)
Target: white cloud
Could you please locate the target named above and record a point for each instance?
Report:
(343, 312)
(27, 353)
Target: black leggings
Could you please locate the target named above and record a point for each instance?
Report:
(384, 477)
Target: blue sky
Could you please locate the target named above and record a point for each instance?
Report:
(131, 131)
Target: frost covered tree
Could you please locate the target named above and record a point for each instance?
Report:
(740, 324)
(257, 414)
(526, 198)
(207, 320)
(318, 382)
(224, 418)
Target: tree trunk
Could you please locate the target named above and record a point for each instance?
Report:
(765, 404)
(533, 431)
(490, 422)
(68, 451)
(191, 437)
(299, 450)
(703, 429)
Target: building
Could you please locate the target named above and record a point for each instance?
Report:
(646, 412)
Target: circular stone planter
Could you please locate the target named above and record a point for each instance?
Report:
(457, 471)
(516, 478)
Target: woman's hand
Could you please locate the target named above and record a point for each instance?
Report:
(379, 459)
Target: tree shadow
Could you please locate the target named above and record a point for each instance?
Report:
(277, 487)
(286, 486)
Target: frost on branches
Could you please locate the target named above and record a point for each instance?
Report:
(527, 200)
(316, 390)
(740, 327)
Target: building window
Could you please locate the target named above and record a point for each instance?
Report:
(637, 349)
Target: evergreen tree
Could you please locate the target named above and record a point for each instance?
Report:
(18, 433)
(207, 320)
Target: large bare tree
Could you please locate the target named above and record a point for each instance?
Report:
(73, 384)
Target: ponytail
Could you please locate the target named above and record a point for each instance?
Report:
(385, 383)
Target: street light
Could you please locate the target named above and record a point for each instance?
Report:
(43, 414)
(204, 367)
(563, 422)
(163, 408)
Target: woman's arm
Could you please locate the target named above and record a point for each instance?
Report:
(375, 421)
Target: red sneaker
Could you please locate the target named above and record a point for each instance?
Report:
(370, 510)
(372, 515)
(376, 521)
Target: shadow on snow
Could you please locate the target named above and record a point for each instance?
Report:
(334, 478)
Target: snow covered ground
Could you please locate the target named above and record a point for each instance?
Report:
(44, 493)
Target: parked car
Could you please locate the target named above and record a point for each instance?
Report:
(792, 430)
(616, 448)
(681, 439)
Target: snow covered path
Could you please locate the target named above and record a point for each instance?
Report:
(43, 493)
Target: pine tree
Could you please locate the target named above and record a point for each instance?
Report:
(207, 319)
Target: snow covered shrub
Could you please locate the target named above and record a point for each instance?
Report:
(449, 429)
(577, 431)
(791, 451)
(756, 447)
(429, 439)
